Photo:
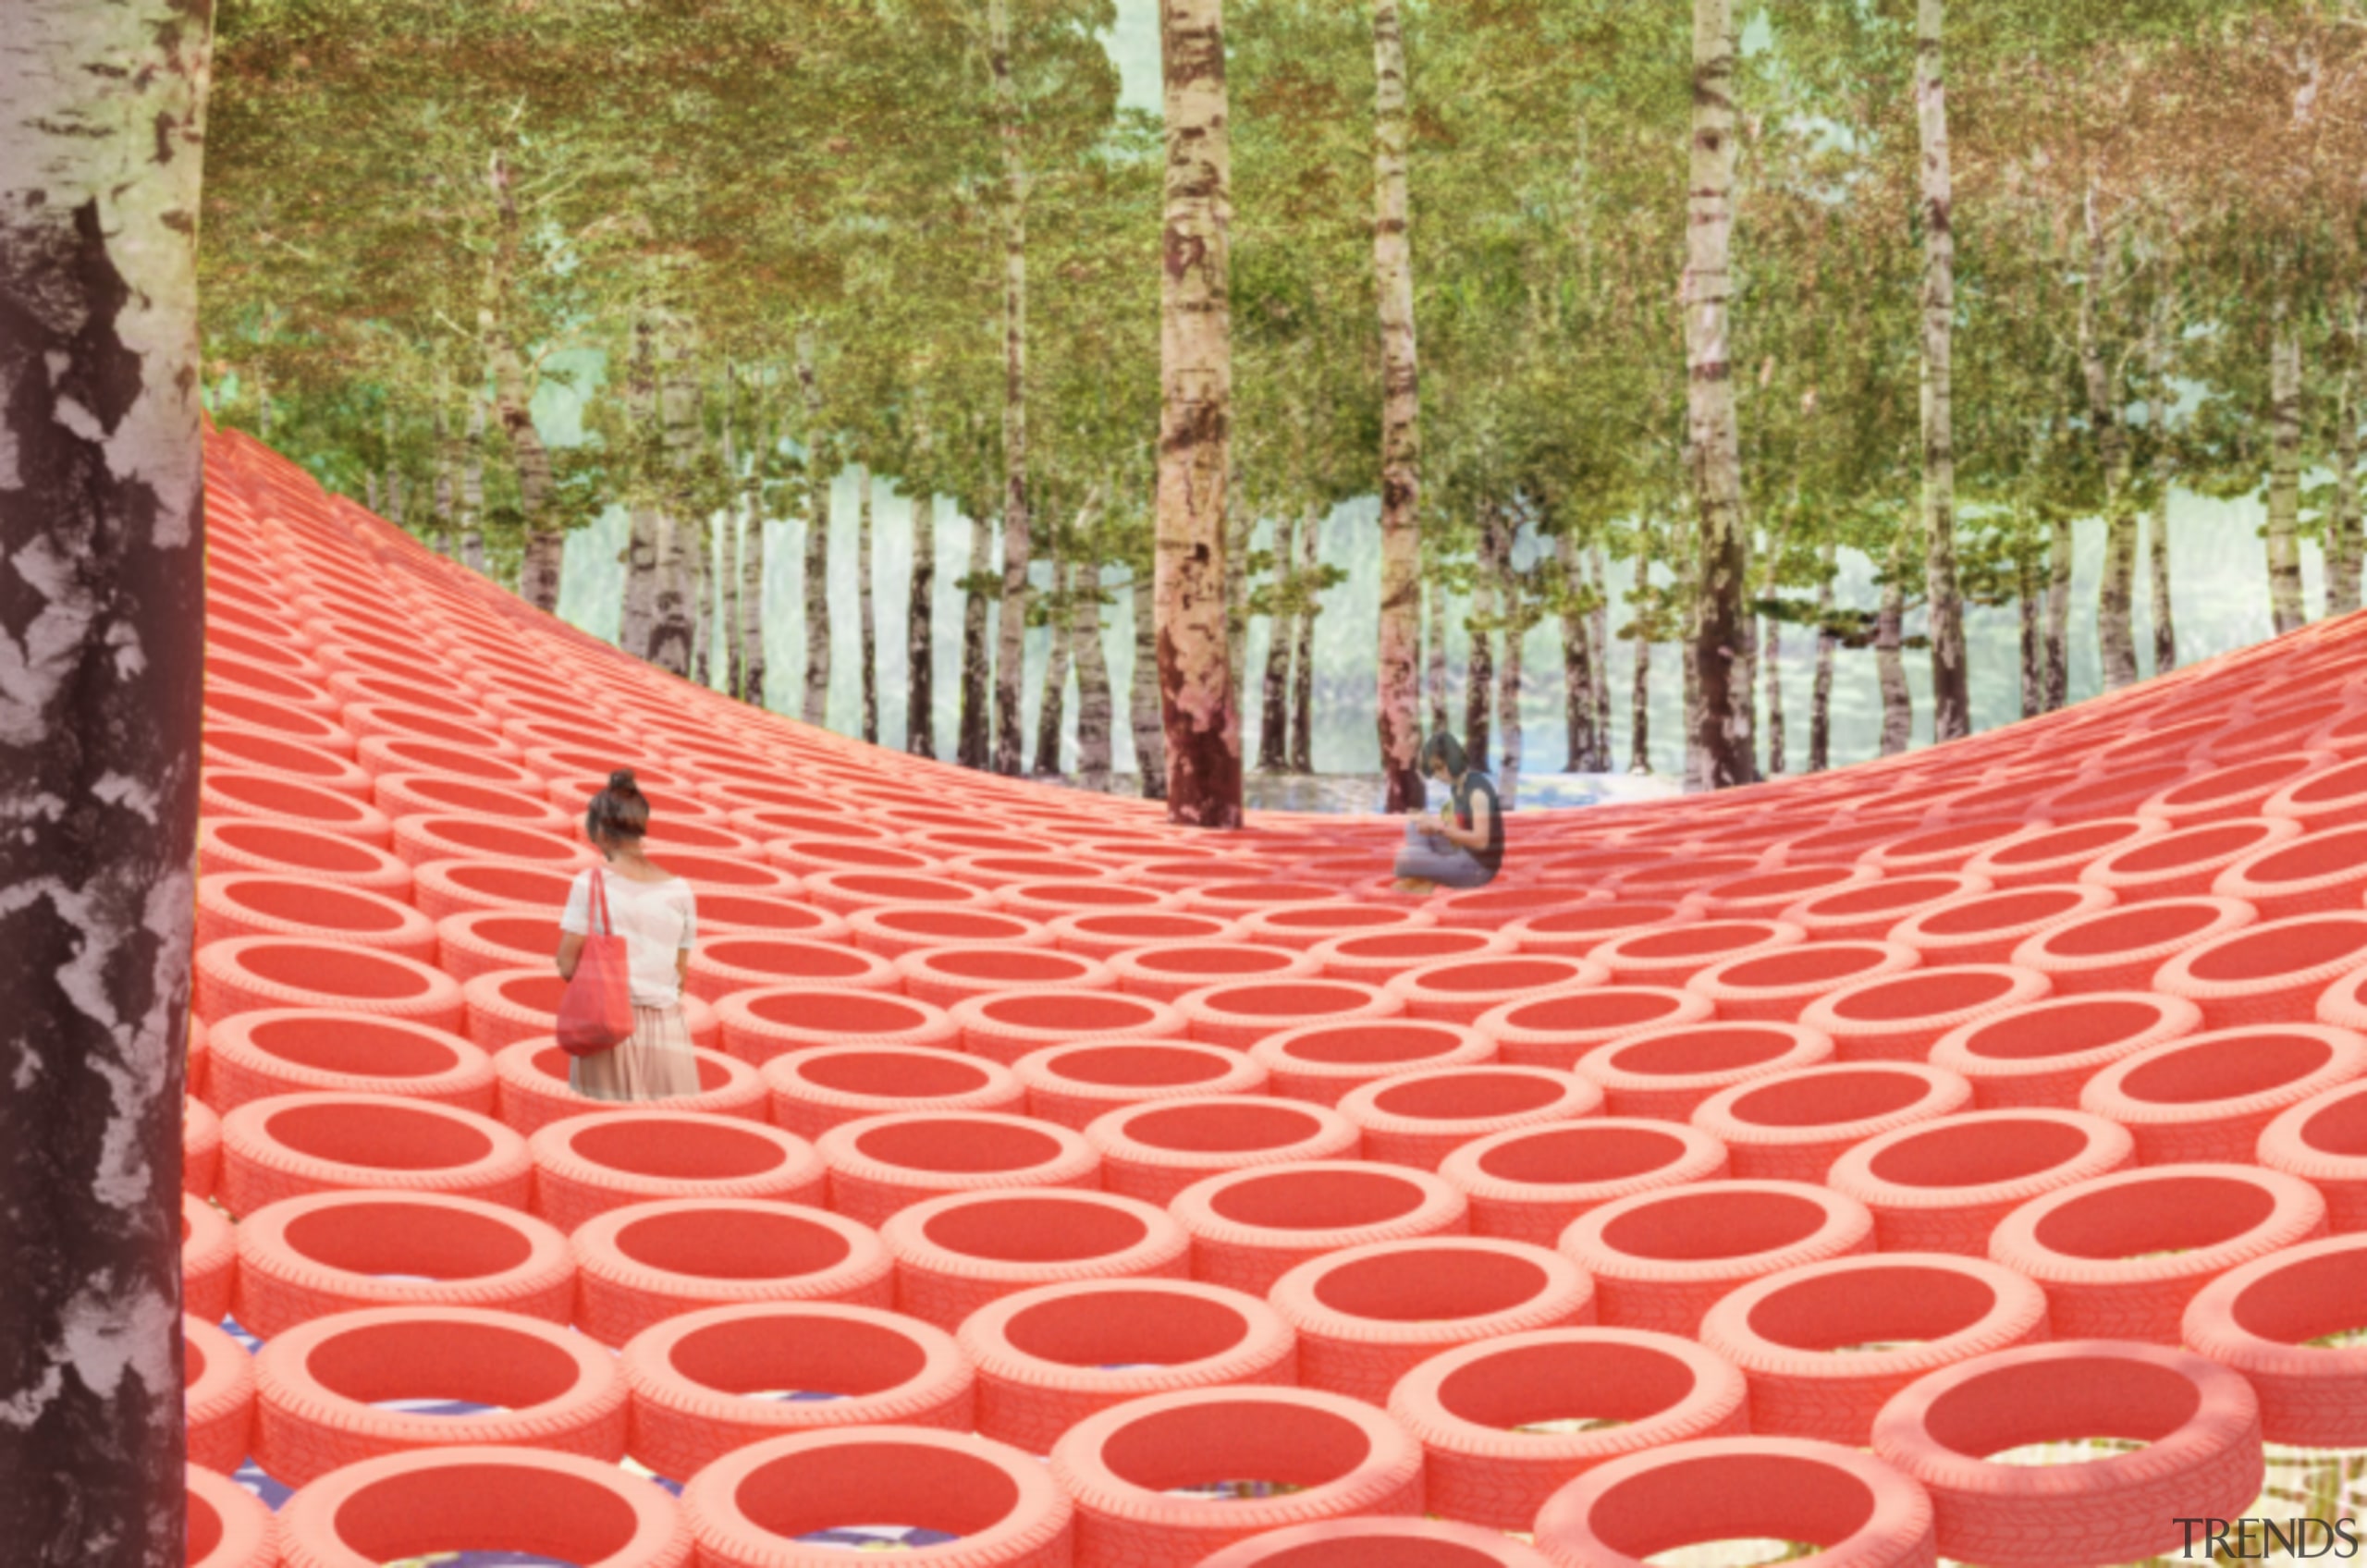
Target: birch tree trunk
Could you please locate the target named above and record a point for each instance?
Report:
(1889, 664)
(2116, 590)
(866, 608)
(1011, 628)
(822, 476)
(1951, 690)
(1820, 689)
(1196, 685)
(920, 643)
(1721, 732)
(1599, 623)
(1310, 565)
(1508, 678)
(1639, 708)
(1435, 656)
(1577, 663)
(538, 570)
(1479, 659)
(1143, 712)
(2157, 413)
(1274, 700)
(973, 744)
(751, 599)
(2058, 615)
(2343, 524)
(473, 489)
(2033, 599)
(2285, 613)
(1052, 707)
(102, 551)
(1092, 714)
(1401, 448)
(672, 635)
(1239, 526)
(637, 624)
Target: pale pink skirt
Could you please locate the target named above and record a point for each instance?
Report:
(656, 1063)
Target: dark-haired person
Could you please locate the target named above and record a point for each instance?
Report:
(657, 915)
(1462, 846)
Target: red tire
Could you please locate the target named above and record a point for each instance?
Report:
(1100, 934)
(957, 1253)
(1418, 1118)
(755, 915)
(1475, 1409)
(485, 940)
(1073, 1084)
(1557, 1031)
(1990, 927)
(248, 973)
(753, 1507)
(265, 904)
(209, 1260)
(532, 1088)
(2209, 1096)
(1126, 1467)
(510, 1005)
(201, 1149)
(2200, 1424)
(1825, 1346)
(1249, 1228)
(1943, 1185)
(647, 1262)
(1461, 990)
(307, 1257)
(2324, 872)
(217, 1396)
(759, 1025)
(1494, 907)
(2066, 852)
(1791, 1127)
(2271, 973)
(882, 1164)
(2120, 950)
(1380, 957)
(1899, 1018)
(408, 1505)
(1529, 1184)
(587, 1165)
(228, 794)
(446, 887)
(945, 975)
(2120, 1256)
(420, 840)
(1009, 1026)
(1852, 1507)
(1765, 895)
(2116, 792)
(1667, 1073)
(700, 1382)
(1662, 1260)
(2334, 796)
(722, 965)
(440, 794)
(811, 857)
(319, 1386)
(1876, 911)
(2044, 1053)
(1368, 1314)
(1324, 1061)
(2258, 1318)
(2323, 1141)
(1155, 1151)
(1575, 932)
(893, 930)
(1165, 971)
(1671, 954)
(2186, 862)
(811, 1092)
(1051, 1355)
(1309, 926)
(301, 1050)
(228, 1526)
(844, 892)
(1069, 890)
(2240, 792)
(292, 1145)
(1778, 986)
(1241, 1015)
(1378, 1543)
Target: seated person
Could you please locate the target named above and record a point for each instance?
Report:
(1463, 845)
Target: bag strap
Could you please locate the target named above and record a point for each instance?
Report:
(599, 910)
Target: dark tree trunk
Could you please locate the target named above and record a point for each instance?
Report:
(1479, 662)
(1821, 692)
(1093, 712)
(1639, 743)
(920, 643)
(1303, 646)
(1434, 654)
(1273, 717)
(2032, 604)
(1141, 705)
(1052, 707)
(102, 563)
(974, 745)
(1599, 623)
(866, 611)
(1584, 751)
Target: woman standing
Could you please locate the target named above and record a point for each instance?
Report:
(657, 915)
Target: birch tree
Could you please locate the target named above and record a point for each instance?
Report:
(1010, 625)
(1401, 447)
(920, 648)
(1951, 690)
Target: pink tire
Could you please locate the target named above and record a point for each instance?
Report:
(699, 1381)
(1577, 932)
(1073, 1084)
(1249, 1228)
(648, 1262)
(1791, 1127)
(1008, 1025)
(1378, 1543)
(1155, 1151)
(247, 973)
(1778, 986)
(892, 930)
(1968, 844)
(2119, 1256)
(533, 1091)
(759, 1025)
(1765, 895)
(2323, 1141)
(1367, 1316)
(254, 1056)
(446, 888)
(811, 1092)
(1049, 1357)
(1418, 1119)
(882, 1164)
(1797, 1334)
(1100, 935)
(1673, 954)
(2259, 1319)
(306, 1257)
(292, 1145)
(1875, 911)
(217, 1396)
(2121, 950)
(2044, 1054)
(2332, 797)
(955, 1254)
(604, 1160)
(944, 975)
(201, 1149)
(2322, 872)
(1557, 1031)
(1899, 1018)
(526, 1499)
(2184, 863)
(1461, 990)
(1667, 1073)
(1322, 1063)
(1943, 1185)
(1240, 1015)
(1380, 957)
(1467, 1406)
(844, 892)
(209, 1260)
(485, 941)
(2238, 791)
(2270, 973)
(1125, 1466)
(259, 904)
(1529, 1183)
(228, 1526)
(735, 914)
(2199, 1421)
(1068, 890)
(2208, 1097)
(1855, 1510)
(1991, 926)
(748, 1508)
(1165, 971)
(319, 1387)
(1307, 926)
(722, 965)
(1662, 1260)
(2064, 851)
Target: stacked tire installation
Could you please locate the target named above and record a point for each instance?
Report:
(1065, 1188)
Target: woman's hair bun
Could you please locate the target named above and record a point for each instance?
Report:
(623, 782)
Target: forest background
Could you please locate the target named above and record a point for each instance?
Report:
(811, 347)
